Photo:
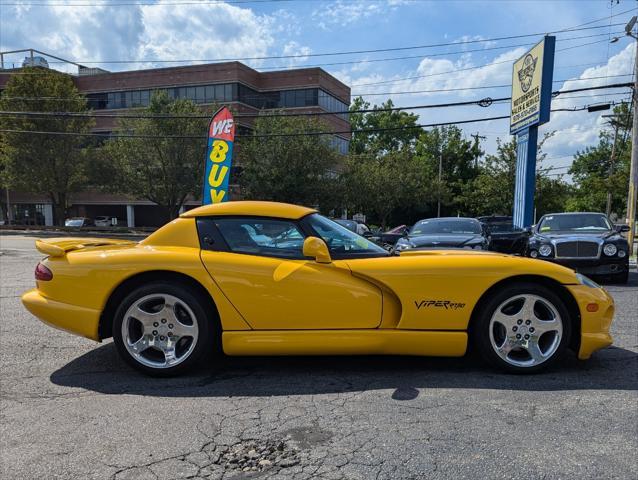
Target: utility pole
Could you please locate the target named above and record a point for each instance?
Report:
(438, 208)
(633, 172)
(476, 149)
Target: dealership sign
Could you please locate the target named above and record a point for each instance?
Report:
(532, 86)
(531, 103)
(219, 156)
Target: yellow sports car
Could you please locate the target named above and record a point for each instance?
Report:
(262, 278)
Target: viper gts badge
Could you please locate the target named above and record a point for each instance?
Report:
(526, 73)
(447, 304)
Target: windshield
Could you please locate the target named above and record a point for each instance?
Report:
(74, 222)
(448, 226)
(340, 240)
(503, 227)
(588, 222)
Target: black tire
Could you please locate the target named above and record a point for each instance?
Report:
(207, 342)
(480, 328)
(621, 278)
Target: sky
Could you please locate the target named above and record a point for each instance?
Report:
(139, 33)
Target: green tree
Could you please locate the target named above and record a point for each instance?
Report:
(155, 166)
(594, 174)
(459, 160)
(492, 190)
(289, 166)
(54, 165)
(402, 132)
(379, 186)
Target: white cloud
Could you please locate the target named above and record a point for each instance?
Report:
(344, 12)
(301, 53)
(201, 31)
(577, 130)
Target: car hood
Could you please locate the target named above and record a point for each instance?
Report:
(444, 240)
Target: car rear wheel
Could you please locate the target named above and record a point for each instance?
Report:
(523, 328)
(163, 329)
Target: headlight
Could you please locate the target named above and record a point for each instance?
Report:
(545, 250)
(588, 282)
(403, 246)
(533, 253)
(610, 249)
(622, 253)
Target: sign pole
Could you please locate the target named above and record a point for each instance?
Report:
(526, 141)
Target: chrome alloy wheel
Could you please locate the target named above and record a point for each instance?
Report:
(159, 330)
(526, 330)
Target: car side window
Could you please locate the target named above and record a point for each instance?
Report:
(262, 236)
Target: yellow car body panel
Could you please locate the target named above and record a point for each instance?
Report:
(251, 208)
(438, 290)
(418, 303)
(85, 278)
(594, 325)
(63, 316)
(345, 342)
(278, 294)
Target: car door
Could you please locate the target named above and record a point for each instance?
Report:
(258, 263)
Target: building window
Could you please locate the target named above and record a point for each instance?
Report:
(228, 92)
(340, 144)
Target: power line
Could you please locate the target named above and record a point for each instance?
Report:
(484, 102)
(348, 52)
(440, 90)
(271, 135)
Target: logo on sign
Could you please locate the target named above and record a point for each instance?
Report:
(526, 73)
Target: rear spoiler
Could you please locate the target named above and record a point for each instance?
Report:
(58, 247)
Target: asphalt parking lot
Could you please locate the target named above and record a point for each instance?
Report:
(71, 409)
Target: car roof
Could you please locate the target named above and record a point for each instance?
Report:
(574, 213)
(252, 208)
(447, 219)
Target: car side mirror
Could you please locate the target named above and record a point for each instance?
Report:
(316, 248)
(622, 228)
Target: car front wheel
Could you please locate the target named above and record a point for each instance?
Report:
(523, 328)
(162, 329)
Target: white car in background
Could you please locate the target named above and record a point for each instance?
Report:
(103, 221)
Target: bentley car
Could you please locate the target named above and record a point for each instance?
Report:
(586, 242)
(262, 278)
(447, 232)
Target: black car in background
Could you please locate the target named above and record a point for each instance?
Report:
(448, 232)
(587, 242)
(388, 239)
(505, 237)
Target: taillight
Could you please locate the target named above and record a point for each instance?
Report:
(43, 273)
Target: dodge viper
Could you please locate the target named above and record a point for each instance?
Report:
(262, 278)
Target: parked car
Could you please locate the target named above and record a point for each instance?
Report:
(586, 241)
(505, 237)
(202, 285)
(388, 239)
(102, 221)
(78, 222)
(447, 232)
(359, 228)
